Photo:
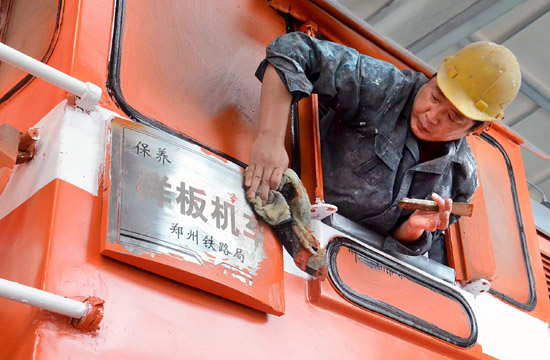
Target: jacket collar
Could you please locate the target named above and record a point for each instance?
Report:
(455, 151)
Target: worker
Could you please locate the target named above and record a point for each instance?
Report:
(386, 133)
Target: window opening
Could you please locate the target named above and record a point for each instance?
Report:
(461, 332)
(532, 297)
(46, 17)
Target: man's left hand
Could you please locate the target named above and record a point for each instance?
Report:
(422, 220)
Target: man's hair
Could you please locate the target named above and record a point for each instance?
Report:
(478, 124)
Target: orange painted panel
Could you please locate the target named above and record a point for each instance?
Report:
(53, 240)
(511, 276)
(307, 156)
(194, 69)
(324, 295)
(24, 251)
(471, 243)
(496, 221)
(36, 99)
(148, 316)
(377, 282)
(32, 28)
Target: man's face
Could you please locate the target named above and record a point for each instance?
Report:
(435, 118)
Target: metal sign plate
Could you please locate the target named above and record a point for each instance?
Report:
(175, 203)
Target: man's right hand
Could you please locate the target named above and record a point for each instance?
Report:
(268, 161)
(421, 220)
(268, 157)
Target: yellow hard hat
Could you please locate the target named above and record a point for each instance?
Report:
(480, 80)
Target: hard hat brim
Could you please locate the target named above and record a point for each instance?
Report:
(459, 98)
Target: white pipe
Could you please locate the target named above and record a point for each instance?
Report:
(88, 93)
(42, 299)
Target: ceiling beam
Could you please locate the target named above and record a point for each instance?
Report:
(461, 26)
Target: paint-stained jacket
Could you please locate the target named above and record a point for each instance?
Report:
(370, 156)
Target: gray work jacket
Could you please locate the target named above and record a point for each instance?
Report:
(370, 156)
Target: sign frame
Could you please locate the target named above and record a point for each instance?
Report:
(257, 283)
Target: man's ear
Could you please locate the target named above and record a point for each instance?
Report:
(481, 128)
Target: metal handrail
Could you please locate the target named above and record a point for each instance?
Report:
(85, 314)
(42, 299)
(88, 94)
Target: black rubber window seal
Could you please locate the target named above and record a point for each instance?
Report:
(390, 311)
(115, 91)
(531, 302)
(53, 42)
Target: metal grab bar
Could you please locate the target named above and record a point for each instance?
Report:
(85, 314)
(88, 94)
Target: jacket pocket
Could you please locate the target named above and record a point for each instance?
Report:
(383, 165)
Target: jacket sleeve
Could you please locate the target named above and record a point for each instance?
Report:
(344, 79)
(419, 247)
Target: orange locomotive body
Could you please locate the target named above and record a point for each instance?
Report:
(162, 234)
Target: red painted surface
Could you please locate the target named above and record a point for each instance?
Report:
(382, 284)
(148, 316)
(52, 241)
(39, 97)
(470, 241)
(491, 238)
